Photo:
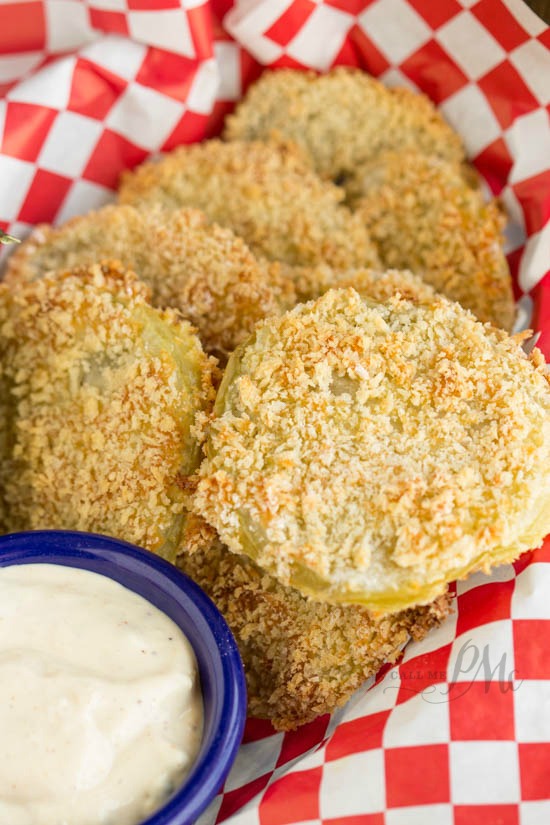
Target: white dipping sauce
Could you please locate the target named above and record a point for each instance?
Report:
(100, 706)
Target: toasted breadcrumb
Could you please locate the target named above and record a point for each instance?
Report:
(373, 452)
(203, 270)
(341, 119)
(301, 658)
(105, 390)
(423, 217)
(265, 193)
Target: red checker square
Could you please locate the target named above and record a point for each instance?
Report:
(114, 22)
(44, 197)
(435, 14)
(534, 769)
(350, 6)
(486, 815)
(234, 800)
(357, 735)
(290, 22)
(481, 710)
(420, 673)
(94, 90)
(152, 5)
(216, 120)
(347, 56)
(417, 775)
(361, 819)
(167, 72)
(28, 34)
(501, 23)
(302, 787)
(484, 604)
(531, 648)
(543, 553)
(495, 164)
(369, 55)
(544, 37)
(112, 154)
(534, 197)
(190, 129)
(285, 61)
(506, 93)
(257, 729)
(250, 69)
(526, 558)
(514, 261)
(25, 130)
(201, 27)
(434, 71)
(297, 742)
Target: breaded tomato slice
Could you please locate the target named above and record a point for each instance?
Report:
(107, 390)
(266, 193)
(301, 658)
(341, 119)
(203, 270)
(424, 217)
(371, 453)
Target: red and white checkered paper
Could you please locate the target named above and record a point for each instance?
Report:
(459, 732)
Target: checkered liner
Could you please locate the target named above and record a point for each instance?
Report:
(459, 731)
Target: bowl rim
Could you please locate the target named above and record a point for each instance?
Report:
(211, 768)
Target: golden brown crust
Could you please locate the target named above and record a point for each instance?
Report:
(341, 119)
(423, 217)
(202, 270)
(265, 193)
(302, 658)
(106, 390)
(373, 452)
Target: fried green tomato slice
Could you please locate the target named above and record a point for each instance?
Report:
(203, 270)
(424, 217)
(266, 193)
(301, 658)
(106, 391)
(341, 119)
(371, 453)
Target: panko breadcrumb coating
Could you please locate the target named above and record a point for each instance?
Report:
(301, 658)
(203, 270)
(423, 217)
(312, 282)
(341, 119)
(265, 193)
(371, 453)
(106, 391)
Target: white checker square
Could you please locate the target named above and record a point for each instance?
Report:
(524, 316)
(254, 759)
(118, 55)
(470, 45)
(229, 62)
(471, 781)
(364, 795)
(193, 4)
(144, 116)
(208, 817)
(81, 198)
(51, 86)
(514, 231)
(67, 25)
(534, 263)
(69, 144)
(439, 637)
(204, 90)
(395, 27)
(320, 38)
(503, 573)
(530, 599)
(2, 119)
(533, 63)
(532, 24)
(394, 77)
(469, 113)
(482, 654)
(418, 722)
(532, 710)
(14, 66)
(420, 815)
(380, 697)
(168, 29)
(16, 176)
(249, 815)
(528, 140)
(108, 5)
(534, 813)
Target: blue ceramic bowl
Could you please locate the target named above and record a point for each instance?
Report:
(220, 667)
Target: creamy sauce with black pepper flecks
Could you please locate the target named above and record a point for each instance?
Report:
(101, 712)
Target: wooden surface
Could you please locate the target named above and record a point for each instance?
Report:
(541, 7)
